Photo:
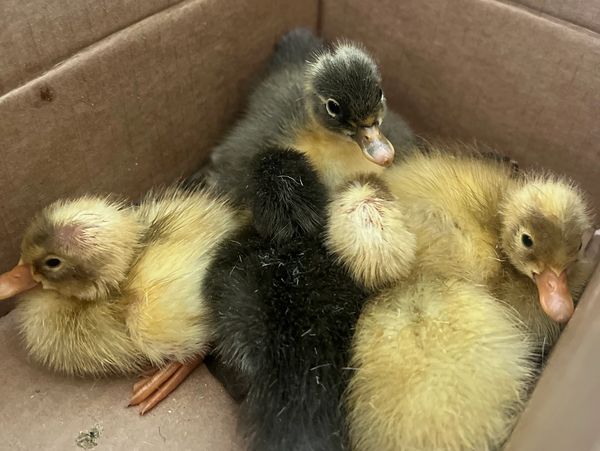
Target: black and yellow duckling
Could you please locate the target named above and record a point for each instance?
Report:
(285, 311)
(325, 102)
(114, 289)
(474, 264)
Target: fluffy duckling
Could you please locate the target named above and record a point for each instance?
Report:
(439, 364)
(509, 231)
(117, 288)
(505, 227)
(327, 103)
(285, 312)
(475, 261)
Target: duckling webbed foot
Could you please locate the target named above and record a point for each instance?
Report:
(152, 389)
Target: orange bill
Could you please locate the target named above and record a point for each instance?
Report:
(554, 295)
(16, 281)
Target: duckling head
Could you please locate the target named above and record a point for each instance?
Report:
(344, 96)
(543, 224)
(82, 249)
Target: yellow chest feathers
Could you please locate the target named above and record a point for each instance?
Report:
(336, 158)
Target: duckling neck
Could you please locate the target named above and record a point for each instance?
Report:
(520, 293)
(335, 157)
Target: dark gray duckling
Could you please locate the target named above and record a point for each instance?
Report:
(324, 101)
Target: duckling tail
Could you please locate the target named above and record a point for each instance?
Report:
(310, 420)
(295, 47)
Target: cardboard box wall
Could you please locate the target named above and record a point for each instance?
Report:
(123, 95)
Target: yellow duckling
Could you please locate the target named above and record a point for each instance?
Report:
(117, 288)
(444, 356)
(477, 220)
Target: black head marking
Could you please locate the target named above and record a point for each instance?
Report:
(347, 88)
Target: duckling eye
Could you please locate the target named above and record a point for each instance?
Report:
(52, 263)
(380, 94)
(333, 108)
(526, 240)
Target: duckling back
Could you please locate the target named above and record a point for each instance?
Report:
(435, 213)
(168, 318)
(451, 203)
(285, 312)
(439, 364)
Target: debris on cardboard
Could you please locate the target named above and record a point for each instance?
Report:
(89, 439)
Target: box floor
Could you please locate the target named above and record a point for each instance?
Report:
(45, 411)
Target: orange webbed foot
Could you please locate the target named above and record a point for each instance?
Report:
(152, 389)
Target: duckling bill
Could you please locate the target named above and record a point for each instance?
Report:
(555, 298)
(16, 281)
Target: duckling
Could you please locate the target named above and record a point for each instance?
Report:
(509, 230)
(326, 103)
(285, 311)
(113, 288)
(473, 263)
(480, 209)
(439, 364)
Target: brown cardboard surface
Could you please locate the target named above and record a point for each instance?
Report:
(141, 108)
(37, 34)
(583, 13)
(562, 413)
(45, 411)
(484, 70)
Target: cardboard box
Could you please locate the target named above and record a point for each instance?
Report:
(120, 96)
